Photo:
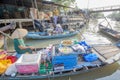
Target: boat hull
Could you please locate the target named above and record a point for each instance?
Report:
(111, 33)
(71, 73)
(35, 35)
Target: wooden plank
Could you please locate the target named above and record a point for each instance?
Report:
(113, 53)
(15, 20)
(108, 50)
(99, 48)
(102, 58)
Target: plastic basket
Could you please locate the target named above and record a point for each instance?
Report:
(28, 63)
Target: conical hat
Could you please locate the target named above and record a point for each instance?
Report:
(19, 33)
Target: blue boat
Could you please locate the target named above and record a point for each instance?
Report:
(43, 35)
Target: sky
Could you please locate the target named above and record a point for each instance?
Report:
(96, 3)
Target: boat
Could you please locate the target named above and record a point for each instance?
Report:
(67, 60)
(43, 35)
(110, 32)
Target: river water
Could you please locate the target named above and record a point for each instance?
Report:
(87, 33)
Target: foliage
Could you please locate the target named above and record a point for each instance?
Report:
(64, 2)
(97, 15)
(115, 16)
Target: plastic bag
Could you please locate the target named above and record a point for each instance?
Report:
(12, 58)
(4, 64)
(2, 68)
(11, 70)
(90, 57)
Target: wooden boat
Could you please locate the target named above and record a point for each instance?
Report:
(110, 32)
(107, 54)
(42, 35)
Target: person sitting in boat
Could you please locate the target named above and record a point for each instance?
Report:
(59, 29)
(19, 44)
(39, 25)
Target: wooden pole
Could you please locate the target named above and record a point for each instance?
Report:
(36, 4)
(5, 43)
(32, 3)
(32, 15)
(108, 22)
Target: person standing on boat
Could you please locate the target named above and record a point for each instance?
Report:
(55, 16)
(19, 44)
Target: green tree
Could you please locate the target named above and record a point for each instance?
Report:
(115, 16)
(97, 15)
(64, 2)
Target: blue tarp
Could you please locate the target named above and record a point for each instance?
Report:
(69, 61)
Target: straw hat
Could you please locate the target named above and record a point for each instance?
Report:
(19, 33)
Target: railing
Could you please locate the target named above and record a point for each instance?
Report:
(104, 9)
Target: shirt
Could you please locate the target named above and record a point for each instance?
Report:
(20, 42)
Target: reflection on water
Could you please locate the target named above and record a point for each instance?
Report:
(90, 34)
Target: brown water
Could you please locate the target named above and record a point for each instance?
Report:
(92, 75)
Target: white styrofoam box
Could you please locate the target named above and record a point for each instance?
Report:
(28, 63)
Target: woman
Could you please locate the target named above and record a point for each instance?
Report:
(19, 44)
(59, 29)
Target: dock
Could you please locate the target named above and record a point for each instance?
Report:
(71, 21)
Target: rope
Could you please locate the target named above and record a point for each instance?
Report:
(108, 22)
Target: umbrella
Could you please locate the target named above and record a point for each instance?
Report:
(19, 33)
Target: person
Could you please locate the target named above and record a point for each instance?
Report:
(59, 29)
(19, 44)
(55, 15)
(39, 25)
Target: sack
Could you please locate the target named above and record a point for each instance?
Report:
(11, 70)
(4, 64)
(90, 57)
(12, 58)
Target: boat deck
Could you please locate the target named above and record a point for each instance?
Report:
(107, 53)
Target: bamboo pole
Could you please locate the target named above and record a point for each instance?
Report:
(36, 4)
(5, 43)
(108, 22)
(32, 3)
(32, 15)
(5, 34)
